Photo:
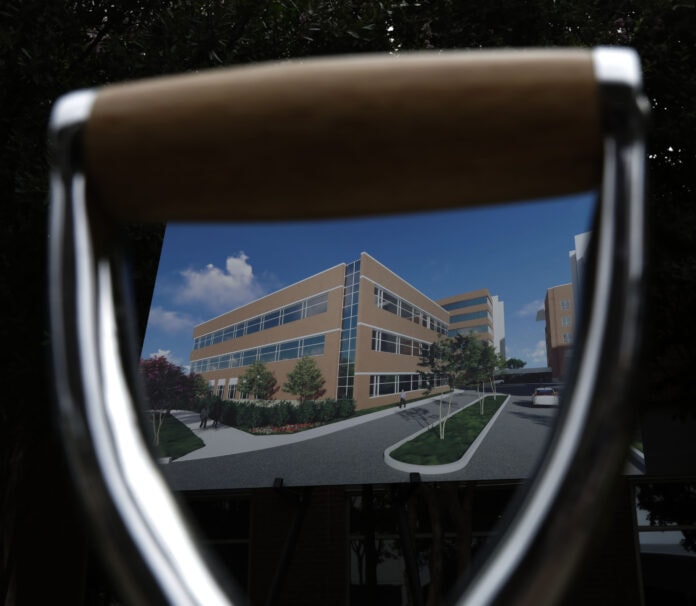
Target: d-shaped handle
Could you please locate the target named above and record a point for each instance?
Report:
(328, 138)
(347, 136)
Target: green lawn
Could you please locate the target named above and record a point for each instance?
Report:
(176, 439)
(460, 431)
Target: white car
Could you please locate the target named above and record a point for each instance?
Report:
(545, 396)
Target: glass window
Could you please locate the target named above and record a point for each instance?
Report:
(470, 316)
(565, 321)
(292, 313)
(404, 383)
(388, 343)
(318, 304)
(565, 304)
(289, 350)
(231, 391)
(249, 356)
(387, 384)
(467, 303)
(374, 382)
(253, 326)
(406, 310)
(268, 353)
(313, 346)
(406, 346)
(271, 319)
(389, 303)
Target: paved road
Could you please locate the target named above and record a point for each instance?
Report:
(353, 452)
(352, 455)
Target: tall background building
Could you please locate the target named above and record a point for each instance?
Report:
(578, 258)
(559, 313)
(477, 313)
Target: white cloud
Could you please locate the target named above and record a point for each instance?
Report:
(170, 321)
(537, 356)
(221, 289)
(530, 309)
(167, 353)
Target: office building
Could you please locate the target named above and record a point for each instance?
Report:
(477, 313)
(365, 327)
(559, 314)
(578, 258)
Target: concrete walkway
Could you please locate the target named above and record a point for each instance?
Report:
(227, 440)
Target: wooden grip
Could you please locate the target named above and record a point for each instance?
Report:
(346, 136)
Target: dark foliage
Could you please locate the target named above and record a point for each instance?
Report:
(48, 48)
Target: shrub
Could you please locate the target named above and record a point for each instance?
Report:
(345, 408)
(326, 410)
(306, 412)
(229, 414)
(249, 415)
(278, 414)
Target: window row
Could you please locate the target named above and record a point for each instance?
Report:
(290, 313)
(474, 315)
(396, 305)
(469, 330)
(384, 385)
(391, 343)
(287, 350)
(466, 303)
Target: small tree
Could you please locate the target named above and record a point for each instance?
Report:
(259, 382)
(489, 361)
(167, 386)
(440, 360)
(515, 363)
(305, 380)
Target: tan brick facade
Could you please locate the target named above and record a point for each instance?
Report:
(366, 337)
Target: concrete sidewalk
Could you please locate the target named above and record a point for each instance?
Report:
(227, 440)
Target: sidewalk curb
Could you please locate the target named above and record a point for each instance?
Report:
(446, 467)
(253, 443)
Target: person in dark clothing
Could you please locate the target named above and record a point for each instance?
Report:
(204, 417)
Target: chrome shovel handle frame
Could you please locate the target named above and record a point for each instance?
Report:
(137, 521)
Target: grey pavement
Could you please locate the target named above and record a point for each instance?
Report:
(346, 452)
(225, 440)
(352, 451)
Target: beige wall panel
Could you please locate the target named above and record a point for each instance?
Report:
(365, 402)
(378, 361)
(372, 270)
(473, 294)
(329, 320)
(326, 280)
(385, 320)
(369, 313)
(327, 363)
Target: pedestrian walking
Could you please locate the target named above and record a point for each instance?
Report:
(204, 417)
(216, 413)
(402, 399)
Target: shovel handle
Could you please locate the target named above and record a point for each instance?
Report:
(346, 136)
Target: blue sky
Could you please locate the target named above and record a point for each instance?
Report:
(517, 251)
